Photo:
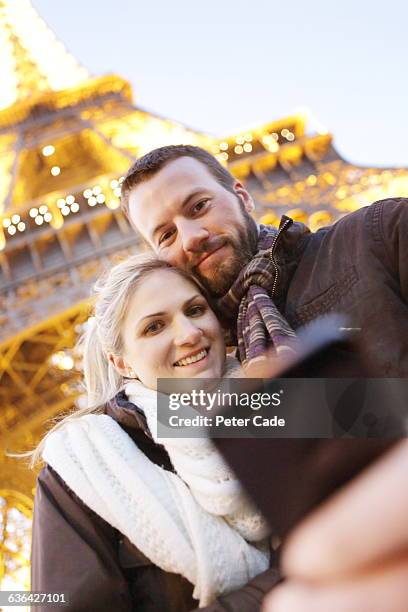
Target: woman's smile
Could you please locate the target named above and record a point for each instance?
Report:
(196, 358)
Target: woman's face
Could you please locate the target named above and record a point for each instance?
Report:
(170, 331)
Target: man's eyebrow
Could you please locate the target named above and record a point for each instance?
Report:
(184, 203)
(161, 314)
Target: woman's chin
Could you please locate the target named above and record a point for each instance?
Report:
(194, 371)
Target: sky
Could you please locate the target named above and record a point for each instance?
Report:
(222, 65)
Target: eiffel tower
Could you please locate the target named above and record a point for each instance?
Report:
(66, 139)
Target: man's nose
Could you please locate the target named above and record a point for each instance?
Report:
(193, 236)
(187, 332)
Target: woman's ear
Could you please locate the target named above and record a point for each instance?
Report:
(121, 366)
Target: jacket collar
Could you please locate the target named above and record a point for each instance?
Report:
(292, 241)
(126, 413)
(290, 246)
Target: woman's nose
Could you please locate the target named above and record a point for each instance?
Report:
(187, 332)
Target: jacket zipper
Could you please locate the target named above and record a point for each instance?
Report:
(272, 251)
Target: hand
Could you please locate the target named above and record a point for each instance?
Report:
(270, 366)
(351, 554)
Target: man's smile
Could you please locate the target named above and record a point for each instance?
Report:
(205, 261)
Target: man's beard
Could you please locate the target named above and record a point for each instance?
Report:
(244, 247)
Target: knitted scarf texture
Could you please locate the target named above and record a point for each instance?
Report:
(199, 464)
(260, 325)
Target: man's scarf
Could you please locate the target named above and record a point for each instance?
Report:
(260, 325)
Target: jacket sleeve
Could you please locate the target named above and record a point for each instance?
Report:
(74, 551)
(248, 598)
(393, 233)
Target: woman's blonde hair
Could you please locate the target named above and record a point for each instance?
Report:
(102, 337)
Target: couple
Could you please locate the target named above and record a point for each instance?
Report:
(195, 215)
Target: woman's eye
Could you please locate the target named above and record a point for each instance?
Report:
(154, 327)
(199, 206)
(196, 311)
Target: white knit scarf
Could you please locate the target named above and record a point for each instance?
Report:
(199, 464)
(156, 509)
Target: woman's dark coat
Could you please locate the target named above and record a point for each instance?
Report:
(76, 552)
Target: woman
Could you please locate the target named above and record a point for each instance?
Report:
(102, 486)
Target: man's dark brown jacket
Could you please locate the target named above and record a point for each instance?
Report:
(358, 267)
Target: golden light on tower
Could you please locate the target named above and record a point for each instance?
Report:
(48, 150)
(33, 60)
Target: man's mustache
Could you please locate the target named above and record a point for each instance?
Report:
(206, 248)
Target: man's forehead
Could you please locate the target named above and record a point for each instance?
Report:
(177, 176)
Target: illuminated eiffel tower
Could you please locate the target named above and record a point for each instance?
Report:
(65, 141)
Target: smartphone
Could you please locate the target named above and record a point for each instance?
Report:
(288, 478)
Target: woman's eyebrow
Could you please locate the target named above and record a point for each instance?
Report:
(188, 302)
(161, 314)
(154, 314)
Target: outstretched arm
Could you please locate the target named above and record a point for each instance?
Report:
(392, 232)
(352, 553)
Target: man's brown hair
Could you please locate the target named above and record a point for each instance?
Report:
(148, 165)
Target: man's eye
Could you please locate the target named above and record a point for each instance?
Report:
(154, 327)
(196, 311)
(166, 236)
(199, 206)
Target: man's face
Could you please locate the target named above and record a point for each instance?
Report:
(194, 223)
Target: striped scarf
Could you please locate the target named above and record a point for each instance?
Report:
(260, 325)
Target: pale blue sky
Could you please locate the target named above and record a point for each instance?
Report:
(219, 65)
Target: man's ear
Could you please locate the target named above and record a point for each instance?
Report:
(121, 366)
(245, 197)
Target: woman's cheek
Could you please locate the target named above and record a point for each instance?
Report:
(212, 325)
(161, 350)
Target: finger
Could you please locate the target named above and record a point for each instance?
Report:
(375, 592)
(269, 365)
(362, 524)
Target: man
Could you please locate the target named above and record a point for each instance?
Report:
(195, 215)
